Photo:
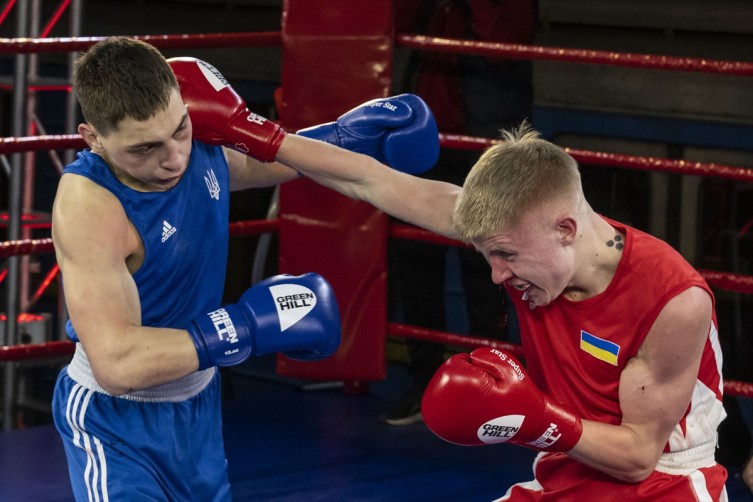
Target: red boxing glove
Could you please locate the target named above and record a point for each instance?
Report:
(486, 397)
(220, 116)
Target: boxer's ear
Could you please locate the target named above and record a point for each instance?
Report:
(91, 136)
(567, 229)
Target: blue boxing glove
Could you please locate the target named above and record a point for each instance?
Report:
(399, 131)
(296, 315)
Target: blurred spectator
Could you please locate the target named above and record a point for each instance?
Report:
(470, 95)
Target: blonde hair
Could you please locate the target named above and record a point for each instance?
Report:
(511, 178)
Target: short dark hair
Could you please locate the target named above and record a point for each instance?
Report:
(120, 78)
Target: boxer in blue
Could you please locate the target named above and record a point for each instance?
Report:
(140, 226)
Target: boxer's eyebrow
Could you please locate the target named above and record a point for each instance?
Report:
(503, 253)
(182, 124)
(152, 144)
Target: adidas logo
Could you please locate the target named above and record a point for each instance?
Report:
(167, 230)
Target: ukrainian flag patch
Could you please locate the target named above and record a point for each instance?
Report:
(599, 348)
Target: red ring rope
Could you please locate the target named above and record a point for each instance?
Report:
(532, 52)
(253, 227)
(28, 246)
(25, 352)
(33, 143)
(512, 51)
(461, 142)
(201, 40)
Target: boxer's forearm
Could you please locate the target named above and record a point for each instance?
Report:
(425, 203)
(618, 450)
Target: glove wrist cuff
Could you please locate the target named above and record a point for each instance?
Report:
(564, 430)
(255, 136)
(222, 337)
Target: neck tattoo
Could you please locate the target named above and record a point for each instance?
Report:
(616, 243)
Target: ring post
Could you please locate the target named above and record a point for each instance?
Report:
(335, 58)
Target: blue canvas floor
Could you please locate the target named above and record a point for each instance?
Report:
(287, 442)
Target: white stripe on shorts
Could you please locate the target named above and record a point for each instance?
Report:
(95, 474)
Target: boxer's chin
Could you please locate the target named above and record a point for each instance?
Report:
(536, 297)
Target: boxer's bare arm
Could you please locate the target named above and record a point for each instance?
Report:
(247, 172)
(95, 244)
(426, 203)
(655, 391)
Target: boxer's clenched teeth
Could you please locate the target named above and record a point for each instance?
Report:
(522, 286)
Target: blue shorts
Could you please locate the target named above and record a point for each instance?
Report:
(125, 449)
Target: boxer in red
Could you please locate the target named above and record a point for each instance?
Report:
(621, 386)
(622, 389)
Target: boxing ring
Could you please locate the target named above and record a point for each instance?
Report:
(318, 230)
